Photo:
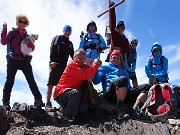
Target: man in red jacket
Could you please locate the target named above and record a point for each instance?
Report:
(68, 92)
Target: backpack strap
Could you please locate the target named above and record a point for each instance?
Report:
(91, 46)
(10, 50)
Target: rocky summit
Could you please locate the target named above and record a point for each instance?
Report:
(24, 119)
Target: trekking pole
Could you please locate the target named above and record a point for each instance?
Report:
(117, 4)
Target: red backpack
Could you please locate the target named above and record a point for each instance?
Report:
(160, 104)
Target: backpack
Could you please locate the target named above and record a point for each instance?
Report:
(9, 49)
(89, 94)
(162, 103)
(161, 63)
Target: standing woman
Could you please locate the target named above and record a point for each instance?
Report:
(17, 61)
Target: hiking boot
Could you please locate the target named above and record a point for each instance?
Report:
(49, 107)
(38, 103)
(67, 118)
(6, 106)
(122, 114)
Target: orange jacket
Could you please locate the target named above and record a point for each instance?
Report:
(72, 77)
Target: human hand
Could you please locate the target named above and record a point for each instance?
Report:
(4, 25)
(53, 64)
(97, 46)
(97, 61)
(90, 80)
(152, 76)
(26, 41)
(112, 3)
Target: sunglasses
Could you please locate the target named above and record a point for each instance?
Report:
(133, 43)
(156, 50)
(23, 22)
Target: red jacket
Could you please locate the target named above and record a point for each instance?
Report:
(72, 77)
(117, 40)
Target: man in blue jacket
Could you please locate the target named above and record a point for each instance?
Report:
(157, 66)
(116, 85)
(93, 43)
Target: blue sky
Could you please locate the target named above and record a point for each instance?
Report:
(147, 20)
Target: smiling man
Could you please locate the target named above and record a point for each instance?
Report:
(116, 85)
(60, 50)
(69, 93)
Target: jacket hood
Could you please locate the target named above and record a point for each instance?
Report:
(155, 46)
(92, 23)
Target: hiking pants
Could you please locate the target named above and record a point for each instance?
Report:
(131, 95)
(12, 67)
(71, 101)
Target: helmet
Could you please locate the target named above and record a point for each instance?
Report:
(134, 40)
(92, 23)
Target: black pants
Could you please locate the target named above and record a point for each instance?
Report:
(12, 67)
(131, 95)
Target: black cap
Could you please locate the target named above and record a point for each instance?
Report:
(120, 24)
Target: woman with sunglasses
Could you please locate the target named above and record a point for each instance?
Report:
(157, 66)
(17, 61)
(130, 61)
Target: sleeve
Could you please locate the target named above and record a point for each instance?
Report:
(126, 64)
(72, 51)
(82, 42)
(112, 23)
(83, 74)
(164, 69)
(134, 64)
(102, 42)
(98, 76)
(5, 37)
(53, 50)
(31, 45)
(112, 19)
(148, 67)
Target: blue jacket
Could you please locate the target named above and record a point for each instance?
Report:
(156, 67)
(106, 74)
(92, 40)
(130, 60)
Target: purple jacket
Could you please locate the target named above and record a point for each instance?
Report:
(15, 43)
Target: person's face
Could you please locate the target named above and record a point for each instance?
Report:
(115, 59)
(80, 58)
(92, 28)
(120, 30)
(156, 51)
(22, 23)
(133, 45)
(67, 33)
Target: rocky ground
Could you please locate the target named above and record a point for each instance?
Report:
(24, 119)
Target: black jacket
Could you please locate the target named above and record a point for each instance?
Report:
(61, 48)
